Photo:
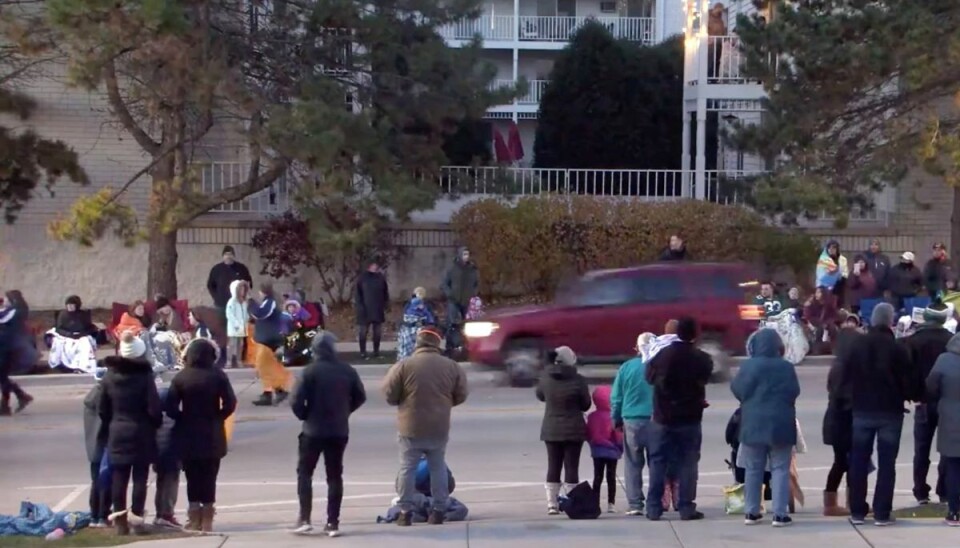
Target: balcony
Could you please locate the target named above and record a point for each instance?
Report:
(216, 176)
(533, 94)
(551, 29)
(492, 28)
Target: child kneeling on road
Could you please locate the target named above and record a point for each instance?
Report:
(606, 446)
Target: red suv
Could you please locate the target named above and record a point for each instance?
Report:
(603, 312)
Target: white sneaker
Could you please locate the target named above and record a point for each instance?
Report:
(553, 511)
(611, 508)
(634, 512)
(303, 528)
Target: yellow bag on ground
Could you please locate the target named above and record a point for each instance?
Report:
(734, 500)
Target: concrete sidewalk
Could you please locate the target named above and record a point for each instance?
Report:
(719, 531)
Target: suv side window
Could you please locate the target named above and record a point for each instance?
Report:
(716, 285)
(606, 292)
(658, 289)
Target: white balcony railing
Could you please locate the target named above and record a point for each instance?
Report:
(489, 27)
(533, 95)
(216, 176)
(723, 58)
(541, 28)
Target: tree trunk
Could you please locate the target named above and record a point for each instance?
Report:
(955, 230)
(162, 264)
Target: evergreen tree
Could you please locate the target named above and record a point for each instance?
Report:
(27, 160)
(862, 92)
(612, 104)
(354, 97)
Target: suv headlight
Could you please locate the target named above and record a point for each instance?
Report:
(478, 330)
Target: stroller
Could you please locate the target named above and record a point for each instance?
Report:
(732, 436)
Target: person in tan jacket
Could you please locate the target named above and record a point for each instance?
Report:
(425, 387)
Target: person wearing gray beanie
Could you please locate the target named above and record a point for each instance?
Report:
(878, 374)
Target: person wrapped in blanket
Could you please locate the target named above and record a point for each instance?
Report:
(416, 314)
(297, 338)
(73, 341)
(168, 335)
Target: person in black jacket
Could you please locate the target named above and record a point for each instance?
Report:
(218, 284)
(75, 322)
(563, 429)
(676, 251)
(370, 301)
(14, 348)
(130, 412)
(838, 420)
(937, 271)
(199, 401)
(679, 375)
(925, 346)
(329, 391)
(879, 376)
(904, 281)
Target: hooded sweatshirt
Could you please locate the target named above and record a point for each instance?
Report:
(605, 441)
(632, 396)
(830, 270)
(567, 397)
(767, 387)
(236, 312)
(328, 392)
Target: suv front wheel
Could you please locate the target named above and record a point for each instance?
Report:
(523, 362)
(721, 359)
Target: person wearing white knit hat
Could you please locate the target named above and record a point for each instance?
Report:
(631, 405)
(132, 347)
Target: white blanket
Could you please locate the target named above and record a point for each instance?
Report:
(794, 339)
(76, 354)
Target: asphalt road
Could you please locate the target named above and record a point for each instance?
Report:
(494, 452)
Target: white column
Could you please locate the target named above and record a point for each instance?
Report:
(660, 21)
(686, 176)
(516, 51)
(701, 159)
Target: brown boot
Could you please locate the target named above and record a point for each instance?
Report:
(831, 506)
(193, 518)
(206, 518)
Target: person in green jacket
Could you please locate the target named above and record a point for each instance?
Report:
(631, 406)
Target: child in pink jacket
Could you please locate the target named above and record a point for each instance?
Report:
(606, 445)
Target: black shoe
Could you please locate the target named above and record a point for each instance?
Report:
(405, 519)
(332, 530)
(364, 356)
(695, 516)
(752, 519)
(953, 520)
(265, 400)
(436, 518)
(280, 397)
(653, 517)
(782, 521)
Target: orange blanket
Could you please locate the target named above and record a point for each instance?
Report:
(128, 323)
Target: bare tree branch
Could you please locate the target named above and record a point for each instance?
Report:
(120, 110)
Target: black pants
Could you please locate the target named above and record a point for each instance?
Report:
(606, 467)
(120, 479)
(332, 450)
(201, 480)
(839, 468)
(99, 497)
(362, 335)
(7, 386)
(925, 424)
(563, 455)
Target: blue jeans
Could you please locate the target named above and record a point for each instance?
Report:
(675, 446)
(885, 428)
(755, 458)
(411, 451)
(635, 458)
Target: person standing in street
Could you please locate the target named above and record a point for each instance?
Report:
(130, 413)
(879, 264)
(268, 336)
(167, 470)
(199, 400)
(679, 375)
(879, 376)
(14, 350)
(371, 299)
(943, 390)
(767, 388)
(461, 283)
(425, 388)
(937, 271)
(563, 429)
(925, 346)
(631, 406)
(221, 276)
(328, 392)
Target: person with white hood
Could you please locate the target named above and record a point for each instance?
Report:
(237, 318)
(631, 406)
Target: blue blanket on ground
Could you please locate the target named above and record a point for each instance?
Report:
(456, 511)
(39, 520)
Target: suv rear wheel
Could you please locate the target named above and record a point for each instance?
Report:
(721, 358)
(523, 361)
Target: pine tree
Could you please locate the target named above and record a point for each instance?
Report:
(354, 98)
(860, 93)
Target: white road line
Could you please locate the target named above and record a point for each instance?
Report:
(67, 500)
